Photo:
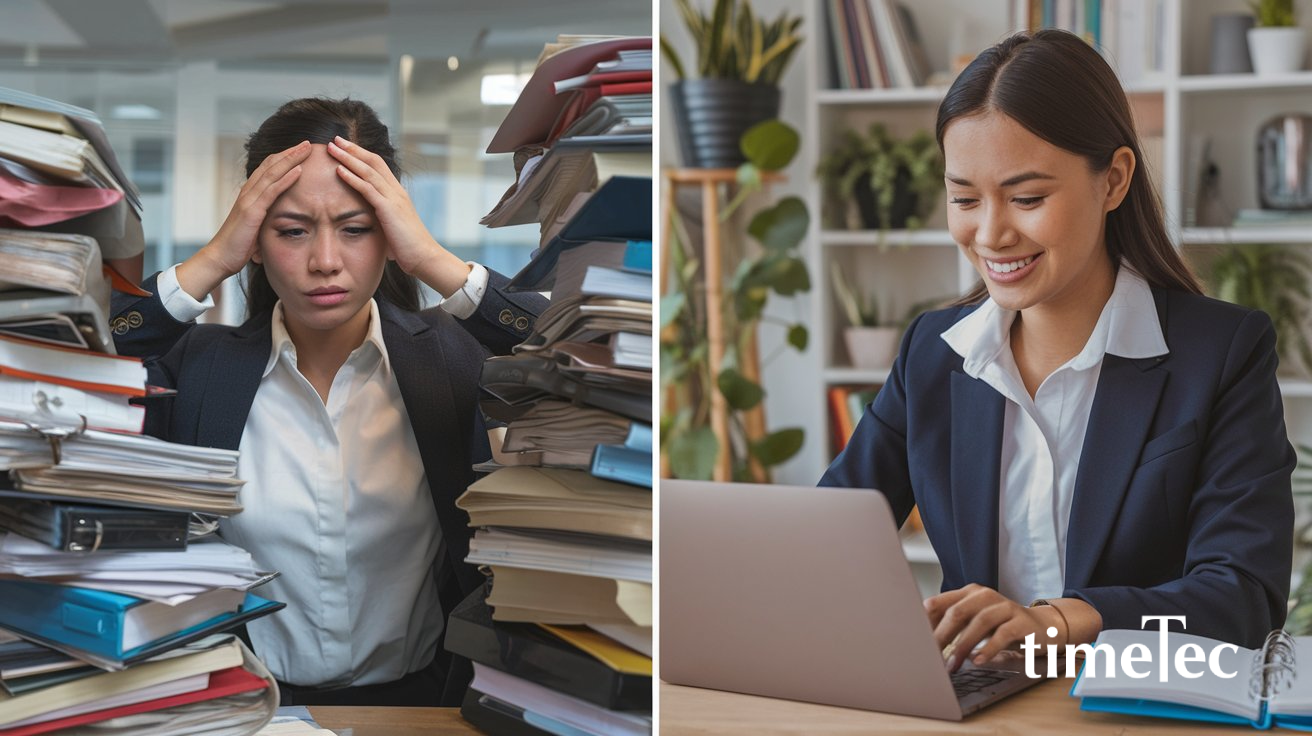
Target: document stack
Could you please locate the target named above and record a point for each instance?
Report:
(561, 642)
(114, 595)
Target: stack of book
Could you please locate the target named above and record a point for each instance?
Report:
(847, 404)
(875, 45)
(561, 641)
(114, 595)
(1130, 34)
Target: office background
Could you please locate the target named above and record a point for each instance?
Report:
(180, 84)
(1191, 119)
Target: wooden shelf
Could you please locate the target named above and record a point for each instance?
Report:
(1201, 83)
(1223, 235)
(876, 239)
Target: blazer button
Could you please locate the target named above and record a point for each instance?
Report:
(119, 326)
(134, 319)
(506, 317)
(521, 324)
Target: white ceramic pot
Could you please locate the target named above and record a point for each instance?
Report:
(871, 347)
(1277, 50)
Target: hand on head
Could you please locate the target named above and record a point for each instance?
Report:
(409, 243)
(232, 246)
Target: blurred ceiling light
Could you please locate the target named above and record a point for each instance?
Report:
(134, 112)
(502, 89)
(405, 68)
(452, 63)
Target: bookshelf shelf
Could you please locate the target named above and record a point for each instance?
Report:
(1296, 388)
(898, 96)
(918, 549)
(1200, 83)
(892, 238)
(1223, 235)
(840, 375)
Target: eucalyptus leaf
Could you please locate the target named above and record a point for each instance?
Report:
(770, 145)
(692, 454)
(783, 226)
(741, 392)
(778, 446)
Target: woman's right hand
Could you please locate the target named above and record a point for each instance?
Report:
(232, 246)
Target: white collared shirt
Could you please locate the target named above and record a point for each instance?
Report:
(1042, 438)
(338, 501)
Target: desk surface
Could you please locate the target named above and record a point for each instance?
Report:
(386, 721)
(1044, 708)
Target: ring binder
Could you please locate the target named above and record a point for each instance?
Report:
(1274, 666)
(56, 435)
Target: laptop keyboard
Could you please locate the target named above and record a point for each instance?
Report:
(967, 682)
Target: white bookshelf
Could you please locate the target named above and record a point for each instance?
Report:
(1171, 108)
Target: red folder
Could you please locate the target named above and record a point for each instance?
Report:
(222, 683)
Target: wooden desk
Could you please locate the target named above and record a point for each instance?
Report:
(1044, 708)
(381, 721)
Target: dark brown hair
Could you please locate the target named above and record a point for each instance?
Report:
(318, 120)
(1060, 89)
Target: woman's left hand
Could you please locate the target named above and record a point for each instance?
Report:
(409, 243)
(964, 617)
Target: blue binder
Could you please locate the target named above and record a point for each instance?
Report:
(619, 210)
(91, 621)
(627, 463)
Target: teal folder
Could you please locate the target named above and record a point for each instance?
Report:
(81, 621)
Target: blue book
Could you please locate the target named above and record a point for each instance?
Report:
(1262, 690)
(628, 463)
(637, 256)
(119, 629)
(619, 211)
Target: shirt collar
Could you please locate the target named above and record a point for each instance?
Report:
(1127, 327)
(372, 346)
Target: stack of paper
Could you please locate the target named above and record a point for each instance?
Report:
(104, 563)
(583, 118)
(211, 686)
(564, 517)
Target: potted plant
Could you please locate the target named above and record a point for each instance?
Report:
(740, 59)
(1277, 43)
(1273, 279)
(893, 183)
(775, 268)
(871, 343)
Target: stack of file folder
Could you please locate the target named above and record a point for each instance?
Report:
(113, 592)
(561, 640)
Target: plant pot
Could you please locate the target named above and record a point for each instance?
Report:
(871, 347)
(904, 203)
(1277, 50)
(711, 116)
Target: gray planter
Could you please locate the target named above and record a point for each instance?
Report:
(711, 116)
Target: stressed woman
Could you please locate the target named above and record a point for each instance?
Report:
(355, 413)
(1088, 439)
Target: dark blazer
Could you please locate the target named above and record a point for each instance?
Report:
(437, 360)
(1182, 502)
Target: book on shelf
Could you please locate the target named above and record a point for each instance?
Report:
(846, 407)
(1129, 33)
(874, 44)
(1268, 687)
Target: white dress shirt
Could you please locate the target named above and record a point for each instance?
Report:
(337, 500)
(1042, 438)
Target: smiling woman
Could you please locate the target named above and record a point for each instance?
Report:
(1083, 432)
(355, 414)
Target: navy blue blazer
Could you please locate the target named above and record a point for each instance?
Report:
(1182, 501)
(437, 360)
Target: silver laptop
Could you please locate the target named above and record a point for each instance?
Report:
(803, 593)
